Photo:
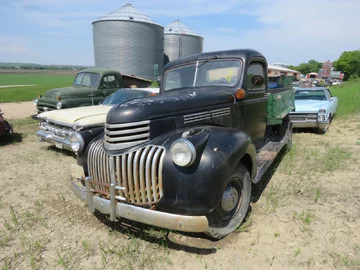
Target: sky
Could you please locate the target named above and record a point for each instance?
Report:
(287, 31)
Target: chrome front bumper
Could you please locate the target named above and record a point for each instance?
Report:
(116, 209)
(309, 124)
(61, 143)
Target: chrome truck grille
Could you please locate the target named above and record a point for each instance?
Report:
(138, 172)
(120, 136)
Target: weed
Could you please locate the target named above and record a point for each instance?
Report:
(297, 252)
(276, 234)
(317, 195)
(14, 217)
(310, 261)
(305, 216)
(245, 226)
(87, 248)
(4, 239)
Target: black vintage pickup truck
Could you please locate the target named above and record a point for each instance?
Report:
(187, 158)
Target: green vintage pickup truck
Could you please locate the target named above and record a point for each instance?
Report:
(90, 87)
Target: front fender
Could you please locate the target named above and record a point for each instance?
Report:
(197, 189)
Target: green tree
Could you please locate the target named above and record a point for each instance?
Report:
(311, 66)
(349, 63)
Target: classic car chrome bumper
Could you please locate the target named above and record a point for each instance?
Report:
(309, 124)
(61, 143)
(115, 209)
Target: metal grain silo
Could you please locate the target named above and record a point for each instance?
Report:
(181, 41)
(128, 41)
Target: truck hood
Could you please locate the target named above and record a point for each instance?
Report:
(310, 105)
(63, 92)
(82, 116)
(169, 104)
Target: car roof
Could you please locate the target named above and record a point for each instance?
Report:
(310, 88)
(99, 70)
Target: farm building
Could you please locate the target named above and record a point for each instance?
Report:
(277, 70)
(181, 41)
(129, 41)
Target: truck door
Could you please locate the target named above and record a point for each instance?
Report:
(254, 107)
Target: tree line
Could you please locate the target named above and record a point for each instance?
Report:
(348, 63)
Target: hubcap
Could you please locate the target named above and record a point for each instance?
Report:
(229, 199)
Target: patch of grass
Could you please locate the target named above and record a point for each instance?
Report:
(245, 226)
(317, 195)
(297, 252)
(87, 248)
(305, 216)
(334, 158)
(42, 82)
(349, 98)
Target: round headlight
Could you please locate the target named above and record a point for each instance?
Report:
(183, 152)
(323, 111)
(76, 142)
(36, 101)
(58, 105)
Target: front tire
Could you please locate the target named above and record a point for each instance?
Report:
(232, 209)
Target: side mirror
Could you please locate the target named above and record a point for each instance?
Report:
(257, 80)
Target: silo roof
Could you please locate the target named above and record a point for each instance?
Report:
(127, 13)
(178, 28)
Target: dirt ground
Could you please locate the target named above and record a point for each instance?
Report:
(305, 212)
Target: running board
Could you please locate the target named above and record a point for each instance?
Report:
(266, 155)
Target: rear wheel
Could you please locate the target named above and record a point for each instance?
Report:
(234, 204)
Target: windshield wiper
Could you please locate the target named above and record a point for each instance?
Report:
(207, 60)
(197, 67)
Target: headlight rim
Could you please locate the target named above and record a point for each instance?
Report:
(322, 111)
(80, 141)
(59, 105)
(191, 148)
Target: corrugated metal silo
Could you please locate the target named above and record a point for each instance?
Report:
(128, 41)
(181, 41)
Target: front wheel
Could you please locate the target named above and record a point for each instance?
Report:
(234, 204)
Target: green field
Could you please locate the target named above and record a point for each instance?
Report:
(349, 98)
(42, 83)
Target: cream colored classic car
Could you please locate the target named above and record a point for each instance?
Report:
(72, 129)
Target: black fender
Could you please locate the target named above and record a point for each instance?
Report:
(197, 189)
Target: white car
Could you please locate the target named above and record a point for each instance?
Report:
(72, 129)
(314, 108)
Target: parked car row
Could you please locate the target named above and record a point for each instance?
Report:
(185, 156)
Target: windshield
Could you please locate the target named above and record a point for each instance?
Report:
(203, 73)
(312, 94)
(87, 79)
(122, 96)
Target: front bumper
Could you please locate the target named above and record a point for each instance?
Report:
(309, 124)
(61, 143)
(116, 209)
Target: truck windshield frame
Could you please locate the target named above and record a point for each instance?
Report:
(88, 79)
(204, 73)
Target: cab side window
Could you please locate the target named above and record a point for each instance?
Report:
(255, 69)
(110, 81)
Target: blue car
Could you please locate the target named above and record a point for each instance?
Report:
(315, 107)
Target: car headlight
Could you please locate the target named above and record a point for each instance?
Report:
(36, 101)
(76, 142)
(321, 118)
(322, 111)
(58, 105)
(183, 152)
(43, 125)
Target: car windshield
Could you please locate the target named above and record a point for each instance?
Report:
(87, 79)
(203, 73)
(122, 96)
(310, 94)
